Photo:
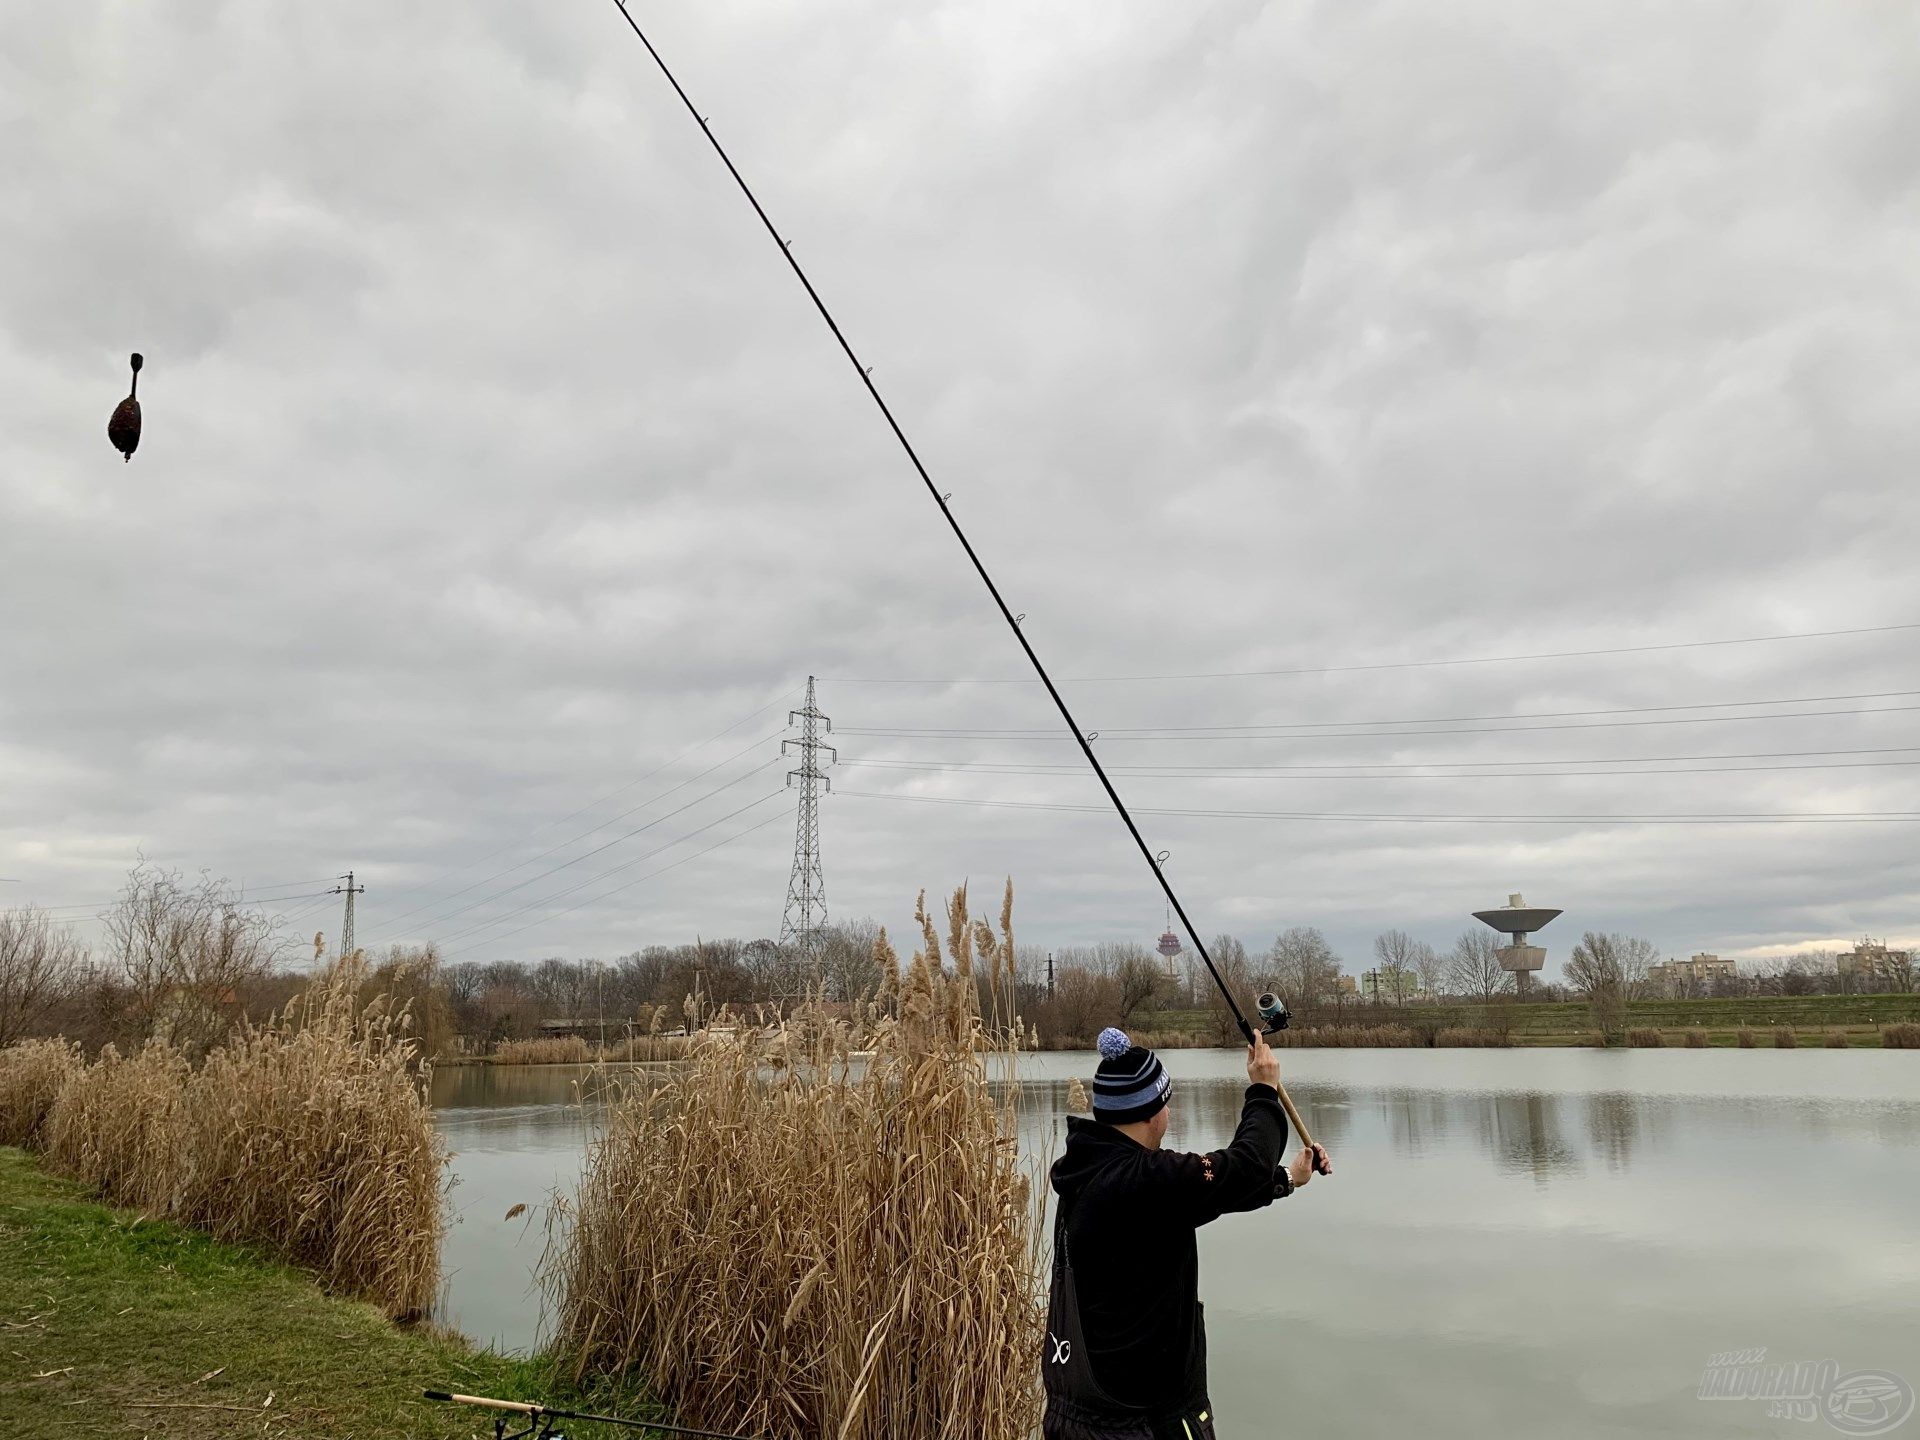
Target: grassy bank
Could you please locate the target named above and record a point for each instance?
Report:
(1536, 1023)
(113, 1325)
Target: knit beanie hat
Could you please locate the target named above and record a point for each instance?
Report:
(1131, 1083)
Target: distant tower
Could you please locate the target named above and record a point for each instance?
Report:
(1516, 921)
(346, 921)
(806, 912)
(1169, 948)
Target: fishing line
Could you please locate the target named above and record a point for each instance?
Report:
(1006, 613)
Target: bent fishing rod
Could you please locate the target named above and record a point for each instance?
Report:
(1083, 738)
(542, 1418)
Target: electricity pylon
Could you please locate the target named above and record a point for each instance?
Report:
(806, 913)
(346, 921)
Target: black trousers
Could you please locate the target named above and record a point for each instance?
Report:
(1066, 1421)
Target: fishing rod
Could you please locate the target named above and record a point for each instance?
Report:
(541, 1419)
(1083, 738)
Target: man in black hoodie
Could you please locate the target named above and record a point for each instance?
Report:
(1126, 1349)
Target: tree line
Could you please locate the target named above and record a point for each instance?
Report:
(183, 958)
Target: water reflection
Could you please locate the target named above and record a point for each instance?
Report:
(1549, 1243)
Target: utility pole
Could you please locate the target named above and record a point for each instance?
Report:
(346, 923)
(805, 915)
(1049, 972)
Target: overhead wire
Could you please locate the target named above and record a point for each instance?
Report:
(496, 895)
(639, 879)
(1337, 734)
(1728, 818)
(773, 704)
(1050, 733)
(1194, 773)
(1381, 665)
(574, 840)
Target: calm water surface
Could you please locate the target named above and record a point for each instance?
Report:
(1541, 1242)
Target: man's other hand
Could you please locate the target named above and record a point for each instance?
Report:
(1263, 1066)
(1306, 1161)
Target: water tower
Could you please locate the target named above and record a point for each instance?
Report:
(1517, 920)
(1169, 947)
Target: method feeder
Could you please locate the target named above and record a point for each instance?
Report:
(542, 1419)
(1081, 737)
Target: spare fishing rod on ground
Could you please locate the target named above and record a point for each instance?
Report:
(1082, 738)
(541, 1419)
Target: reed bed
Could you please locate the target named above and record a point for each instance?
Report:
(784, 1239)
(1468, 1038)
(546, 1050)
(1696, 1039)
(1746, 1039)
(1904, 1036)
(309, 1136)
(1353, 1037)
(1785, 1037)
(574, 1050)
(32, 1075)
(1836, 1040)
(1646, 1039)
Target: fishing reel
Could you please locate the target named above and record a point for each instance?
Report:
(1274, 1015)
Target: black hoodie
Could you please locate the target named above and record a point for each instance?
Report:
(1131, 1217)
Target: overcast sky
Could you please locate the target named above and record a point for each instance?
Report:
(494, 464)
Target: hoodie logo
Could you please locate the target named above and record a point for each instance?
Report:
(1061, 1349)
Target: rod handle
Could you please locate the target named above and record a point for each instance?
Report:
(519, 1407)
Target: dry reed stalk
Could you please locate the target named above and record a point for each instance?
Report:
(1836, 1040)
(1785, 1037)
(1696, 1039)
(545, 1050)
(310, 1136)
(313, 1135)
(1903, 1036)
(112, 1126)
(32, 1075)
(1747, 1039)
(1646, 1039)
(1472, 1039)
(783, 1239)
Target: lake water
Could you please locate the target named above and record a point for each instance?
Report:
(1538, 1243)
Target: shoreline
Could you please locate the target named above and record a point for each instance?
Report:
(117, 1322)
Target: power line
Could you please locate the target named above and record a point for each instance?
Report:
(640, 879)
(614, 870)
(608, 845)
(1401, 720)
(1038, 765)
(1190, 773)
(590, 805)
(1731, 818)
(574, 840)
(1382, 665)
(1333, 734)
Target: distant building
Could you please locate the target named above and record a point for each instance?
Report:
(1702, 969)
(1389, 985)
(1871, 962)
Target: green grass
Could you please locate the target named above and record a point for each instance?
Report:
(114, 1325)
(1537, 1023)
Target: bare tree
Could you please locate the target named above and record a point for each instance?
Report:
(1302, 967)
(1394, 956)
(189, 952)
(1230, 959)
(39, 963)
(1473, 967)
(1431, 967)
(1139, 981)
(1608, 971)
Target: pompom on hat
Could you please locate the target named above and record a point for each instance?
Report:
(1131, 1083)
